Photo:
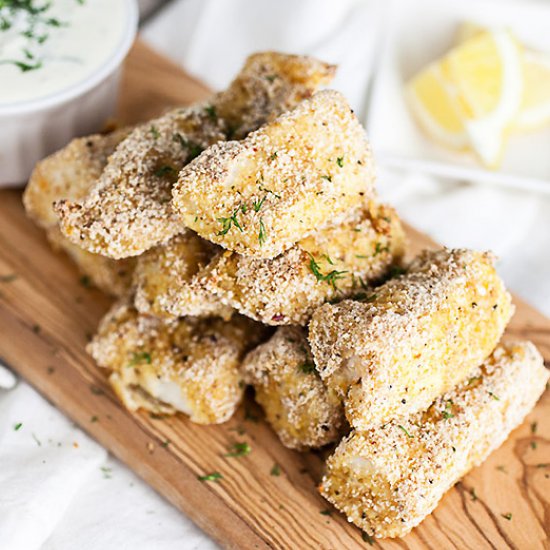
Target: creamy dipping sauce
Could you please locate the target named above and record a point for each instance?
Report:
(53, 45)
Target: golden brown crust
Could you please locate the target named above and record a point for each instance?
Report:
(413, 338)
(166, 280)
(388, 479)
(189, 365)
(128, 210)
(269, 84)
(68, 174)
(303, 412)
(331, 264)
(302, 172)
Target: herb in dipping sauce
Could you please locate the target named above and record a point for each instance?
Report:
(47, 46)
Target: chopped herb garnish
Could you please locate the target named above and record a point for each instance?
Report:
(326, 512)
(140, 357)
(239, 449)
(507, 516)
(501, 468)
(96, 391)
(256, 205)
(214, 476)
(533, 445)
(106, 472)
(367, 538)
(261, 234)
(495, 397)
(396, 270)
(328, 178)
(378, 249)
(38, 442)
(36, 329)
(94, 419)
(85, 281)
(165, 443)
(307, 367)
(276, 470)
(194, 148)
(273, 156)
(211, 112)
(154, 132)
(17, 427)
(543, 465)
(473, 494)
(228, 223)
(534, 427)
(404, 430)
(8, 278)
(329, 278)
(164, 170)
(340, 161)
(271, 77)
(21, 65)
(448, 412)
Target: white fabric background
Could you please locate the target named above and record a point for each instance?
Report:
(59, 490)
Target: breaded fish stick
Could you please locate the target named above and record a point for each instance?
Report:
(166, 282)
(299, 407)
(129, 209)
(69, 174)
(413, 338)
(331, 264)
(290, 178)
(388, 479)
(190, 365)
(269, 84)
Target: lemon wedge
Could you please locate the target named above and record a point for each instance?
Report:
(435, 109)
(535, 107)
(471, 96)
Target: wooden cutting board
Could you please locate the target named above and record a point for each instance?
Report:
(46, 317)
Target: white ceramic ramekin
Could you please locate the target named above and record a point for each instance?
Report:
(33, 129)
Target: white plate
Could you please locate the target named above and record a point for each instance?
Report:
(419, 32)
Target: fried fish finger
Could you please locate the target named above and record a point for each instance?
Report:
(413, 338)
(167, 284)
(388, 479)
(129, 209)
(190, 365)
(303, 412)
(331, 264)
(69, 174)
(300, 173)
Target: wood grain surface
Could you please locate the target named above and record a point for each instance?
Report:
(46, 317)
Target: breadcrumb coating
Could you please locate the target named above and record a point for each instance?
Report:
(413, 338)
(166, 281)
(301, 410)
(388, 479)
(269, 84)
(190, 365)
(129, 209)
(331, 264)
(302, 172)
(69, 174)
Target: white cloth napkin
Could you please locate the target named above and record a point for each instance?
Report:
(58, 496)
